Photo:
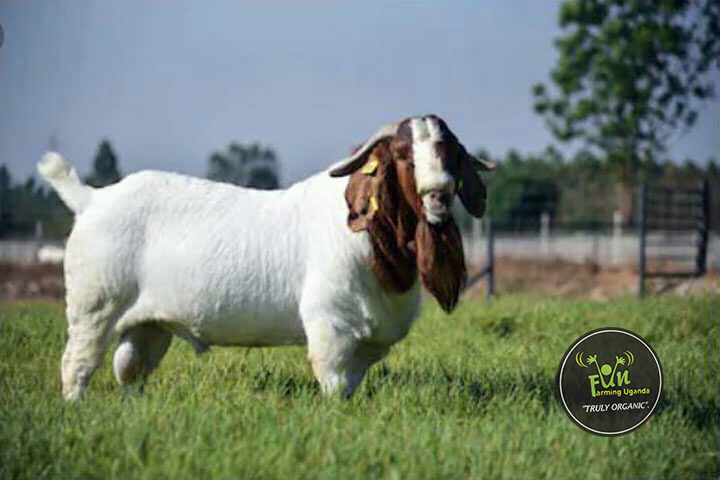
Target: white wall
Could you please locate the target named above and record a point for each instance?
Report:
(23, 251)
(604, 249)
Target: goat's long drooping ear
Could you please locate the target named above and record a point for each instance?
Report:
(472, 189)
(357, 159)
(361, 195)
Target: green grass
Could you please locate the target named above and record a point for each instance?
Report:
(471, 395)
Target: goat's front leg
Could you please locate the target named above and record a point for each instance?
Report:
(363, 357)
(339, 359)
(330, 351)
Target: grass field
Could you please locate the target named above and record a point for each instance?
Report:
(471, 395)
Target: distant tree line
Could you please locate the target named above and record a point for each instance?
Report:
(245, 165)
(30, 206)
(27, 206)
(578, 192)
(105, 167)
(23, 205)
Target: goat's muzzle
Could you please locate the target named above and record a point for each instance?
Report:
(436, 205)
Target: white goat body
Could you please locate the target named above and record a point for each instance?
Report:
(224, 265)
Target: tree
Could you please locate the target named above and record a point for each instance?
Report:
(629, 74)
(245, 165)
(574, 191)
(522, 188)
(105, 166)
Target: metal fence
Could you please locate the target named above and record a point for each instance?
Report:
(680, 220)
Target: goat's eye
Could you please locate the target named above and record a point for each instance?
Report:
(402, 150)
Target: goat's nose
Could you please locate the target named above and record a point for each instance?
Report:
(440, 196)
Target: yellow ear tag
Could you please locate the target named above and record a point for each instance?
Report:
(373, 205)
(371, 165)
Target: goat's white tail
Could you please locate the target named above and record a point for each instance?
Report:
(64, 179)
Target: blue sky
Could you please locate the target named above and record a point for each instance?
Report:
(169, 82)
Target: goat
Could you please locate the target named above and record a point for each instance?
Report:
(332, 263)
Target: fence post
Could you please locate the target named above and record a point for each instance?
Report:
(616, 245)
(490, 290)
(642, 222)
(545, 233)
(477, 234)
(701, 259)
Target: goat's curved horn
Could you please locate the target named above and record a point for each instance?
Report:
(356, 160)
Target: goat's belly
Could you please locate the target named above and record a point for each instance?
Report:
(248, 299)
(250, 329)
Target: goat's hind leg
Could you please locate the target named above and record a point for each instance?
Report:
(139, 352)
(88, 335)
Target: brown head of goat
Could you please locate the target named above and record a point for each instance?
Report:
(402, 184)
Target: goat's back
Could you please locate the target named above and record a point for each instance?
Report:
(203, 252)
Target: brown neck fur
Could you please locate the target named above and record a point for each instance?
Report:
(403, 242)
